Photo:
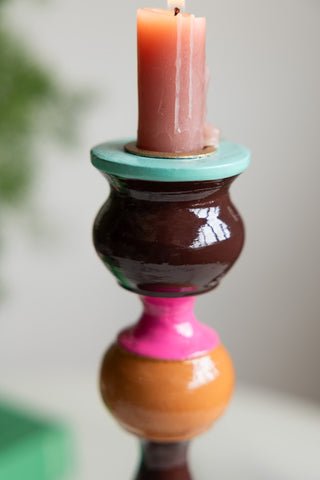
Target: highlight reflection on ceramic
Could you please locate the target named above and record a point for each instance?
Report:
(204, 371)
(213, 230)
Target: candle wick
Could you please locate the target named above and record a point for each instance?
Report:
(176, 11)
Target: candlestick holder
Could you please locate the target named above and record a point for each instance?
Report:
(168, 232)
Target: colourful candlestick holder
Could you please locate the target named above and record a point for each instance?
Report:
(168, 232)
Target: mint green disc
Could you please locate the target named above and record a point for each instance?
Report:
(228, 160)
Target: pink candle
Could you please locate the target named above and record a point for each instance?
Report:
(172, 81)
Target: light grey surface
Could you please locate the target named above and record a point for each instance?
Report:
(63, 308)
(262, 435)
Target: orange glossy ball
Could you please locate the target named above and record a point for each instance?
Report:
(166, 400)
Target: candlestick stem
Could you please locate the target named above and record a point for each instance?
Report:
(168, 232)
(164, 461)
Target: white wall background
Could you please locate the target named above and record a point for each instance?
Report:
(62, 307)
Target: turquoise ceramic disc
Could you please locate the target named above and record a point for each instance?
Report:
(228, 160)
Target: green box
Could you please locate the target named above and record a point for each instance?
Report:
(32, 448)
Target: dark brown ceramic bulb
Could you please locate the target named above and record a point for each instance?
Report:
(168, 238)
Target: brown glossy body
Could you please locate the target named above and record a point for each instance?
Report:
(166, 400)
(168, 238)
(164, 461)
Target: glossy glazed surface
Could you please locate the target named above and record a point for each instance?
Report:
(164, 400)
(168, 329)
(168, 239)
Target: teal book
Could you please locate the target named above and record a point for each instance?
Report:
(32, 448)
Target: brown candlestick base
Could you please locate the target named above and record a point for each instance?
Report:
(164, 461)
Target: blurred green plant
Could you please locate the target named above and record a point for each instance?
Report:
(31, 101)
(32, 104)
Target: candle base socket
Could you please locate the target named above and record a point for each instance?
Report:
(131, 147)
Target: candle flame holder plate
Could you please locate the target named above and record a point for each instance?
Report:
(112, 158)
(132, 147)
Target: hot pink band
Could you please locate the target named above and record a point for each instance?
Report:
(168, 329)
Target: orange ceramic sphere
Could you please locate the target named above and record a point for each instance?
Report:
(166, 400)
